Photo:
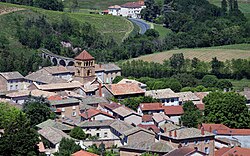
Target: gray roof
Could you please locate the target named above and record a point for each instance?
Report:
(44, 77)
(93, 100)
(84, 106)
(121, 126)
(96, 123)
(169, 127)
(53, 135)
(186, 133)
(107, 67)
(162, 93)
(12, 75)
(54, 124)
(162, 147)
(64, 101)
(135, 130)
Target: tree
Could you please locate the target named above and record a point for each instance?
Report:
(224, 84)
(209, 81)
(224, 7)
(38, 110)
(74, 5)
(67, 147)
(216, 66)
(191, 116)
(152, 33)
(50, 4)
(177, 61)
(77, 133)
(227, 108)
(8, 114)
(117, 79)
(19, 138)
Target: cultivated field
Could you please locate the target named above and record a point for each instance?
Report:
(223, 53)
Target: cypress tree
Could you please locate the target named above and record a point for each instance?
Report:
(230, 6)
(224, 7)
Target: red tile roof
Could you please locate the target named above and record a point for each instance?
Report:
(224, 130)
(83, 153)
(147, 118)
(124, 89)
(84, 55)
(93, 112)
(111, 105)
(235, 151)
(53, 98)
(153, 127)
(133, 4)
(201, 107)
(173, 110)
(151, 106)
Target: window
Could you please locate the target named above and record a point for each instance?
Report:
(185, 143)
(98, 135)
(105, 134)
(98, 129)
(73, 113)
(63, 109)
(206, 141)
(172, 99)
(11, 87)
(74, 107)
(16, 86)
(206, 150)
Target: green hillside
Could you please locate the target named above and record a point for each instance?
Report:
(116, 27)
(96, 4)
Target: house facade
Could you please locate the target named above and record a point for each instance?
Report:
(107, 72)
(10, 81)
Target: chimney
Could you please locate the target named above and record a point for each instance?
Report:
(100, 89)
(210, 129)
(202, 131)
(100, 65)
(165, 129)
(175, 133)
(170, 133)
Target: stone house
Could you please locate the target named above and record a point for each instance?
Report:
(107, 72)
(94, 114)
(10, 81)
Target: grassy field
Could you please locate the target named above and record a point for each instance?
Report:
(240, 84)
(223, 53)
(162, 30)
(244, 6)
(96, 4)
(116, 27)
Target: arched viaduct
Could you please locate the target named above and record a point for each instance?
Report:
(57, 59)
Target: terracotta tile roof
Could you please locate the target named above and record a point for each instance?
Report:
(201, 107)
(124, 89)
(158, 117)
(110, 106)
(235, 151)
(201, 95)
(124, 111)
(162, 93)
(151, 106)
(133, 4)
(187, 96)
(93, 112)
(214, 127)
(12, 75)
(183, 151)
(147, 118)
(152, 127)
(83, 153)
(173, 110)
(84, 55)
(55, 97)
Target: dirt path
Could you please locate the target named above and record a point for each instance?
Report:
(6, 10)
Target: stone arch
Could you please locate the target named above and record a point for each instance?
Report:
(71, 63)
(54, 61)
(62, 62)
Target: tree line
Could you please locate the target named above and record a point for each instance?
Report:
(45, 4)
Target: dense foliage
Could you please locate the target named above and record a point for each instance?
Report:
(227, 108)
(18, 138)
(192, 116)
(38, 110)
(67, 147)
(78, 133)
(197, 23)
(45, 4)
(8, 114)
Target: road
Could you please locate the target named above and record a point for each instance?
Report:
(142, 24)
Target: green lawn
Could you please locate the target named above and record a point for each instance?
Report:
(162, 30)
(240, 84)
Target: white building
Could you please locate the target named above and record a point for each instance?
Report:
(130, 9)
